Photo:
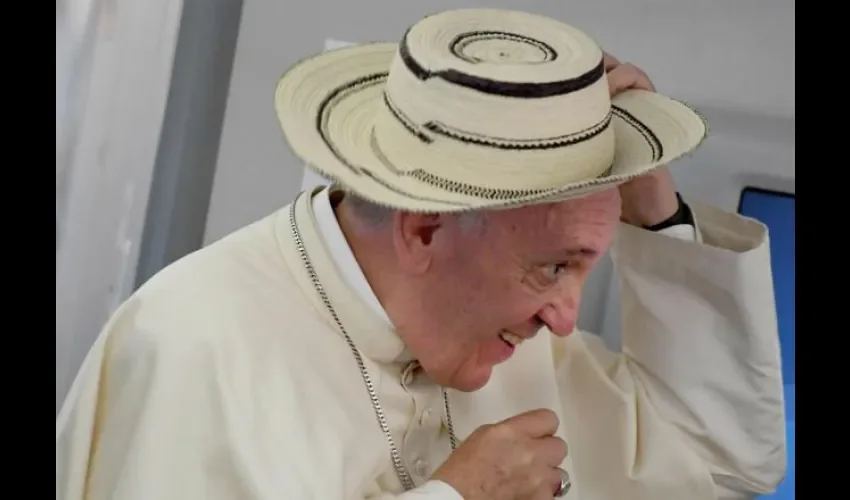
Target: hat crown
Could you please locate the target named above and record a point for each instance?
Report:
(500, 74)
(465, 82)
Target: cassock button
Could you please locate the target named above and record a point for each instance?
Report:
(420, 468)
(427, 417)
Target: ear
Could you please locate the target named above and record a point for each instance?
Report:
(413, 238)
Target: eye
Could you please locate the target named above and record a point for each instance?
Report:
(548, 275)
(554, 271)
(541, 277)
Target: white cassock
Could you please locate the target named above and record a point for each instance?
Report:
(225, 378)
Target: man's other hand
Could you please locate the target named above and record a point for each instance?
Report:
(516, 459)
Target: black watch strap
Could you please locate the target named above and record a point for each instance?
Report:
(682, 216)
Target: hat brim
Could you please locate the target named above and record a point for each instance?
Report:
(342, 89)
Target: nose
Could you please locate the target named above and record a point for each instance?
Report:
(560, 313)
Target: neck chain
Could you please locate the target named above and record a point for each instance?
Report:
(400, 468)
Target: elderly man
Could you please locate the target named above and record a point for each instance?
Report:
(409, 332)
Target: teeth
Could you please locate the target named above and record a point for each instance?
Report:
(511, 338)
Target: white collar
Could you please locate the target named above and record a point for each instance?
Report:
(341, 254)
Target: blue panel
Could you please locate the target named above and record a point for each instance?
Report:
(776, 211)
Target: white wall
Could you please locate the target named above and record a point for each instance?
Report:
(108, 170)
(732, 59)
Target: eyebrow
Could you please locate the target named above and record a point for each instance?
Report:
(568, 253)
(580, 252)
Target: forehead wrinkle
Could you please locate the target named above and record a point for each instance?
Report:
(583, 221)
(559, 218)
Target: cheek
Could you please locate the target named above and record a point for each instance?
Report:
(508, 303)
(488, 303)
(485, 294)
(460, 307)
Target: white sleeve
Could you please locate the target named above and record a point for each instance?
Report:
(700, 331)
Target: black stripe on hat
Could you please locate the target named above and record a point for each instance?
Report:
(522, 90)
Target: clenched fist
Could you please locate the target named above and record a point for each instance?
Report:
(516, 459)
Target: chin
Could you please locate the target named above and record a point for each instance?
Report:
(468, 382)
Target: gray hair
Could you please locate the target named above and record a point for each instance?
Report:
(378, 216)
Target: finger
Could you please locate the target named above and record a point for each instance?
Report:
(610, 61)
(551, 450)
(534, 423)
(628, 76)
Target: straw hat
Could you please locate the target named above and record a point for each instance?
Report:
(476, 109)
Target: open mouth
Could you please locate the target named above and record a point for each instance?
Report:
(511, 339)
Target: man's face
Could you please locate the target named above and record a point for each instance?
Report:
(487, 288)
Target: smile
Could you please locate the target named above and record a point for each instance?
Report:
(510, 338)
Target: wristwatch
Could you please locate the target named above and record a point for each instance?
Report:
(682, 216)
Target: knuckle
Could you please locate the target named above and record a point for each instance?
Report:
(636, 71)
(610, 62)
(615, 71)
(527, 457)
(631, 67)
(482, 433)
(498, 431)
(485, 428)
(545, 412)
